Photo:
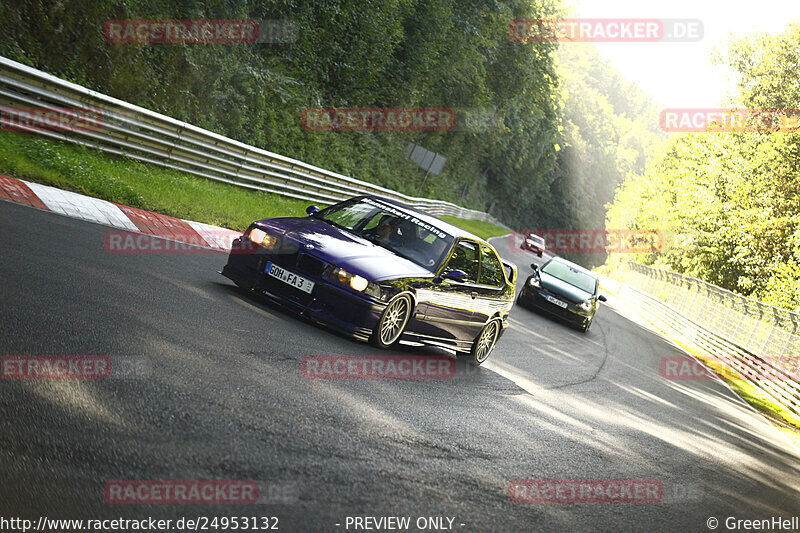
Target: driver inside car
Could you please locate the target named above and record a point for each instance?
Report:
(386, 230)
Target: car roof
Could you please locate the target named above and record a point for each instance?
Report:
(575, 266)
(430, 219)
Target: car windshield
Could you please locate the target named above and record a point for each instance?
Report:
(392, 228)
(536, 239)
(570, 275)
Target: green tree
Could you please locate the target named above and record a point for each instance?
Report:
(729, 200)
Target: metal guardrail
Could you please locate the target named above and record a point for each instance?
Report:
(753, 341)
(139, 133)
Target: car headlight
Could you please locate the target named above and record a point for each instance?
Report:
(259, 236)
(586, 306)
(354, 280)
(534, 282)
(358, 283)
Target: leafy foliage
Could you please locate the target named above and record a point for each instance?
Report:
(609, 127)
(546, 146)
(729, 201)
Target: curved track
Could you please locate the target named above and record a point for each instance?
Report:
(219, 395)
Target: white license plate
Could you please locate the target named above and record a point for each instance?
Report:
(290, 278)
(556, 301)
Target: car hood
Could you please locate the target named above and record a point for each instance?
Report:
(563, 289)
(342, 248)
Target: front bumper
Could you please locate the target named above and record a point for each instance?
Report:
(532, 247)
(536, 298)
(328, 304)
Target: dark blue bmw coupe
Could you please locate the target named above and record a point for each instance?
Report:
(380, 271)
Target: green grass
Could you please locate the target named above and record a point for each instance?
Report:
(130, 182)
(482, 229)
(127, 181)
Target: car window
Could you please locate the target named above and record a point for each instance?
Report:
(392, 228)
(348, 214)
(465, 257)
(491, 268)
(571, 275)
(373, 222)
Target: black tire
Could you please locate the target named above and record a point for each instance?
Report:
(539, 254)
(392, 322)
(484, 343)
(586, 326)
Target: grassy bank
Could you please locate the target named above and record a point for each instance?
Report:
(478, 227)
(151, 187)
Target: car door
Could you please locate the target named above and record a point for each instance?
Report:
(449, 304)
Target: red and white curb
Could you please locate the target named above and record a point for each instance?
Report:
(119, 216)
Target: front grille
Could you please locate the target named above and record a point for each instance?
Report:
(310, 265)
(300, 263)
(288, 261)
(541, 301)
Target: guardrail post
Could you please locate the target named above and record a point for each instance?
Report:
(742, 315)
(242, 161)
(175, 144)
(758, 322)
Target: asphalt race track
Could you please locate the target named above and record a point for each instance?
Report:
(214, 392)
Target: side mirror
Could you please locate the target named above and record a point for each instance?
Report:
(511, 271)
(602, 298)
(535, 267)
(455, 275)
(310, 210)
(512, 275)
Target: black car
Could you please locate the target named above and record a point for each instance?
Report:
(380, 271)
(563, 289)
